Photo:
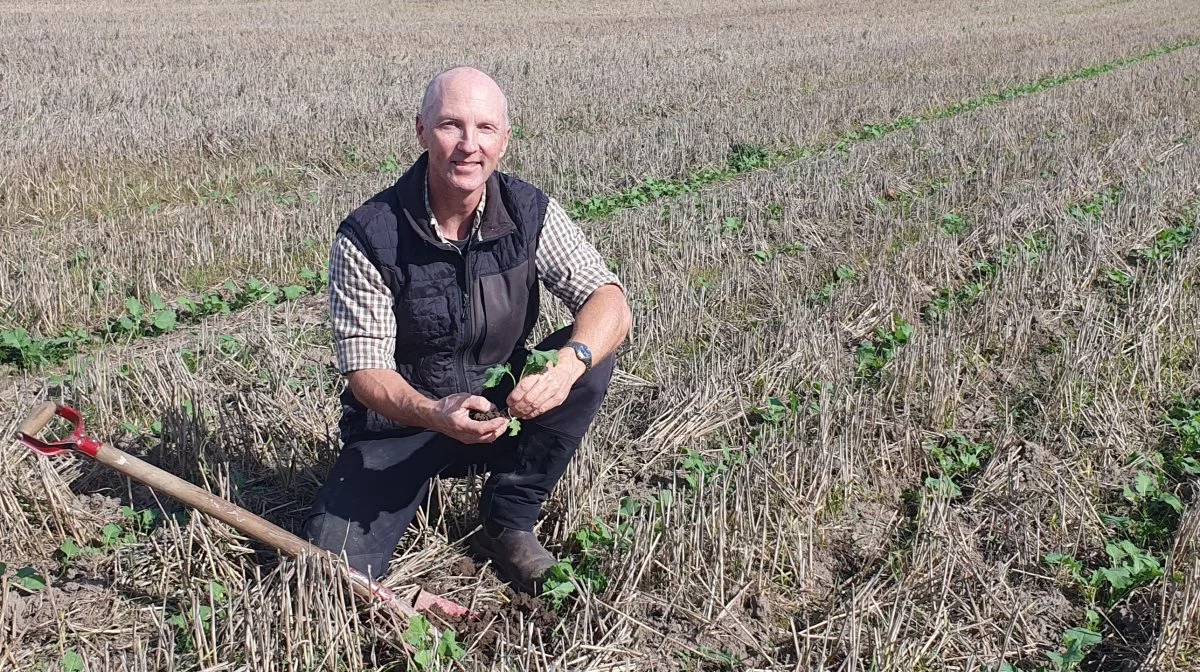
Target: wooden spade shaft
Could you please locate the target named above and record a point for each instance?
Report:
(229, 513)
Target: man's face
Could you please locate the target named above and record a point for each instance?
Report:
(465, 132)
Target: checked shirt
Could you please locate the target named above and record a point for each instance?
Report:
(360, 304)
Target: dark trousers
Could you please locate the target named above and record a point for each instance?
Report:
(376, 485)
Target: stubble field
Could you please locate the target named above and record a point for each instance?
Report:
(913, 376)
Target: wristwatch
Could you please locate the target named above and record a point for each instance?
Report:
(583, 353)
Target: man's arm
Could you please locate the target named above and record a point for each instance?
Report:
(364, 333)
(387, 393)
(602, 324)
(575, 272)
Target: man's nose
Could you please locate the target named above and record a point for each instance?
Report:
(469, 140)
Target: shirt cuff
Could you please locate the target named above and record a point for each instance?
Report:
(360, 352)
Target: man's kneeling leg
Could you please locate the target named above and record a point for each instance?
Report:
(370, 497)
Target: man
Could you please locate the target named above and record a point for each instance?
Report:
(433, 281)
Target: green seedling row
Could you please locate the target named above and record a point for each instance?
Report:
(29, 351)
(1142, 528)
(744, 158)
(154, 317)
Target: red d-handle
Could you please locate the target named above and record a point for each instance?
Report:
(41, 416)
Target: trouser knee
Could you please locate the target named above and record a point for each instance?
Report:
(513, 499)
(365, 553)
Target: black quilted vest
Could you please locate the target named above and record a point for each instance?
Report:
(457, 313)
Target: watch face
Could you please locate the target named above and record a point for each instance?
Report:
(583, 351)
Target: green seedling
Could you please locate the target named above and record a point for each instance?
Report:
(428, 648)
(953, 224)
(200, 617)
(571, 575)
(1183, 456)
(71, 661)
(763, 256)
(26, 578)
(536, 362)
(1077, 642)
(112, 535)
(1092, 208)
(766, 254)
(841, 275)
(1169, 241)
(699, 469)
(1119, 280)
(957, 458)
(710, 658)
(1129, 567)
(731, 225)
(390, 165)
(744, 157)
(872, 355)
(946, 299)
(776, 410)
(28, 351)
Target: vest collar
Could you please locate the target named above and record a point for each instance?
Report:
(410, 190)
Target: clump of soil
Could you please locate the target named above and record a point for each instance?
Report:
(542, 616)
(464, 567)
(484, 416)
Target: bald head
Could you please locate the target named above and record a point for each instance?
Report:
(461, 80)
(463, 125)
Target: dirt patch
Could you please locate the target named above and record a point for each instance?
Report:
(494, 625)
(86, 603)
(484, 416)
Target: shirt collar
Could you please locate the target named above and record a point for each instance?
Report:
(475, 229)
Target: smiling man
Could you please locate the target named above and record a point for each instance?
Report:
(432, 282)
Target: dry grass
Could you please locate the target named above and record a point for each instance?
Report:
(813, 542)
(191, 128)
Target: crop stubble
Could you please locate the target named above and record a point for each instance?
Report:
(808, 552)
(168, 135)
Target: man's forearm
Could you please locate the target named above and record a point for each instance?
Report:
(603, 321)
(387, 393)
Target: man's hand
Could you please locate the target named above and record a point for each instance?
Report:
(450, 416)
(538, 393)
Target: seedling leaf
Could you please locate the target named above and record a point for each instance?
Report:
(538, 360)
(71, 661)
(495, 374)
(29, 579)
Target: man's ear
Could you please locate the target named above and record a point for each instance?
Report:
(420, 129)
(507, 137)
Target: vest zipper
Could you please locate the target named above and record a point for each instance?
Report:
(467, 323)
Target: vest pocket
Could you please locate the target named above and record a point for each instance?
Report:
(427, 318)
(504, 299)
